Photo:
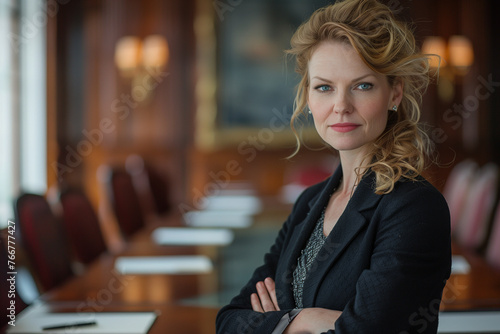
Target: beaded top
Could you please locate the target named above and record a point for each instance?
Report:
(307, 256)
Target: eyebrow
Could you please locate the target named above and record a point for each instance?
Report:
(354, 80)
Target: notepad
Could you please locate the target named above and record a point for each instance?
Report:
(218, 218)
(192, 236)
(179, 264)
(469, 322)
(243, 204)
(36, 317)
(459, 265)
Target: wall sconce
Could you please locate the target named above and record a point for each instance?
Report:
(141, 61)
(457, 56)
(460, 53)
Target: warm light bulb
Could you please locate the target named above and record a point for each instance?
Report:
(128, 53)
(461, 52)
(155, 51)
(435, 45)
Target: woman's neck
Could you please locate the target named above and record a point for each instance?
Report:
(352, 170)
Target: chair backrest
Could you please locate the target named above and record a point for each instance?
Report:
(125, 202)
(82, 225)
(150, 184)
(159, 189)
(44, 241)
(493, 249)
(9, 295)
(457, 187)
(478, 207)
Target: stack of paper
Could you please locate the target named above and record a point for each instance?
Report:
(181, 264)
(192, 236)
(243, 204)
(218, 218)
(459, 265)
(469, 322)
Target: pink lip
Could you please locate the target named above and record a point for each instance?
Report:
(344, 127)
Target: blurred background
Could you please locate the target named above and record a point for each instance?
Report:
(191, 85)
(201, 91)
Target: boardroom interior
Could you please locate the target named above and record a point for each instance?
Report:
(125, 123)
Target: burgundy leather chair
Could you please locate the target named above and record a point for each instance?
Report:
(44, 240)
(125, 202)
(152, 186)
(82, 225)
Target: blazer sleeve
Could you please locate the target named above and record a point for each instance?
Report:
(238, 316)
(401, 290)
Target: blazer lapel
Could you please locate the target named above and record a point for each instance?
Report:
(348, 226)
(303, 230)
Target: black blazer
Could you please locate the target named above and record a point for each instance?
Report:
(384, 264)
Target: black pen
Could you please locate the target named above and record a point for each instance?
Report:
(69, 325)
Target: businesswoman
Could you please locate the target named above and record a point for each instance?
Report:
(367, 250)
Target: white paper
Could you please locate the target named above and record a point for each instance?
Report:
(35, 317)
(459, 265)
(242, 204)
(192, 236)
(469, 322)
(218, 218)
(179, 264)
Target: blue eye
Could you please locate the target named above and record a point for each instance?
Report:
(323, 88)
(365, 86)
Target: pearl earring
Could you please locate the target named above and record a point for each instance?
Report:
(310, 111)
(395, 108)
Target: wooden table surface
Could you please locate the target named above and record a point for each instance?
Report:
(101, 280)
(477, 289)
(171, 318)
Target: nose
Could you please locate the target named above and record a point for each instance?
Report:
(342, 103)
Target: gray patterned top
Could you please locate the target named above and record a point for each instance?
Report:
(307, 256)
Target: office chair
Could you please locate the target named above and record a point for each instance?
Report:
(457, 187)
(478, 207)
(150, 184)
(44, 240)
(82, 225)
(125, 202)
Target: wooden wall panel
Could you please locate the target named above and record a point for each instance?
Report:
(104, 124)
(162, 129)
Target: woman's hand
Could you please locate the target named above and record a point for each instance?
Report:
(313, 320)
(309, 320)
(265, 298)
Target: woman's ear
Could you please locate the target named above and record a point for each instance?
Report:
(397, 92)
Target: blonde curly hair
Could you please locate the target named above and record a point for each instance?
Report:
(387, 46)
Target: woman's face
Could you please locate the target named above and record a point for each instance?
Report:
(349, 102)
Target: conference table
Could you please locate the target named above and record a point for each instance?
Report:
(101, 288)
(475, 288)
(170, 317)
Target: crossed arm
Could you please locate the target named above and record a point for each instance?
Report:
(410, 249)
(309, 320)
